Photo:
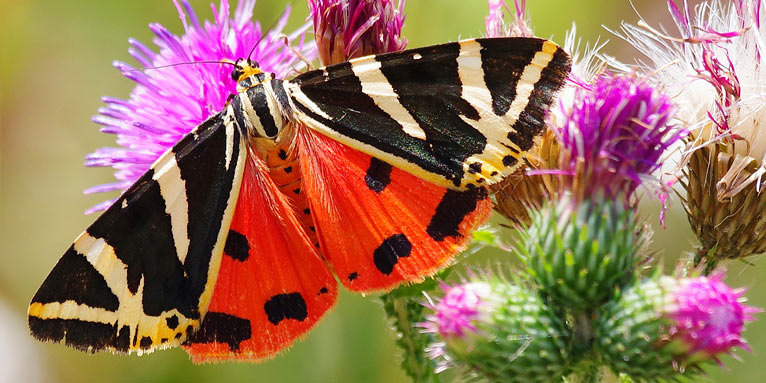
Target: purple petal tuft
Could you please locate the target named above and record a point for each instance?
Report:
(709, 316)
(168, 102)
(616, 134)
(344, 29)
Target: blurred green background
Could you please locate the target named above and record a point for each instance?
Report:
(55, 64)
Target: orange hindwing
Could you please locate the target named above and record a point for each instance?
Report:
(272, 286)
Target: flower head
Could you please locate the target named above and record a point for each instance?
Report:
(665, 326)
(495, 22)
(455, 315)
(708, 317)
(344, 29)
(168, 102)
(716, 72)
(498, 330)
(615, 135)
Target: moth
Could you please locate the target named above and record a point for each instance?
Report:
(374, 171)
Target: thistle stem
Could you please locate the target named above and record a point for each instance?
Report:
(583, 330)
(706, 256)
(590, 373)
(405, 313)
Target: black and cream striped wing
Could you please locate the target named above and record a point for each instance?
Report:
(456, 114)
(141, 276)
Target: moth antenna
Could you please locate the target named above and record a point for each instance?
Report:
(263, 35)
(177, 64)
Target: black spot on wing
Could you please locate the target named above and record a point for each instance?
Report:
(452, 210)
(288, 169)
(282, 154)
(286, 306)
(323, 290)
(503, 61)
(353, 276)
(237, 246)
(172, 322)
(222, 328)
(141, 233)
(524, 136)
(74, 278)
(378, 175)
(474, 168)
(146, 342)
(82, 335)
(509, 160)
(388, 253)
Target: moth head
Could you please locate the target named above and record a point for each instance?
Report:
(244, 68)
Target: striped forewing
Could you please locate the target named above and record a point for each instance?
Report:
(458, 114)
(142, 274)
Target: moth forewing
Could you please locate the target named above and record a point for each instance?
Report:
(458, 115)
(141, 276)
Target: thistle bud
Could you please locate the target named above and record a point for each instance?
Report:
(614, 136)
(728, 224)
(580, 254)
(345, 29)
(664, 327)
(501, 332)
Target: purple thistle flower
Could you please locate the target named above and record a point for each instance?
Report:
(667, 326)
(708, 317)
(344, 29)
(499, 330)
(168, 102)
(454, 319)
(455, 313)
(615, 135)
(714, 70)
(495, 22)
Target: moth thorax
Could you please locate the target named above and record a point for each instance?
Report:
(261, 105)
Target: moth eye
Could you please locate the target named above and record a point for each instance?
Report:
(236, 74)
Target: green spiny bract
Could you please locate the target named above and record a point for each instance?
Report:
(580, 254)
(631, 334)
(517, 339)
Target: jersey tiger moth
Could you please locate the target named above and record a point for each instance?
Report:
(374, 168)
